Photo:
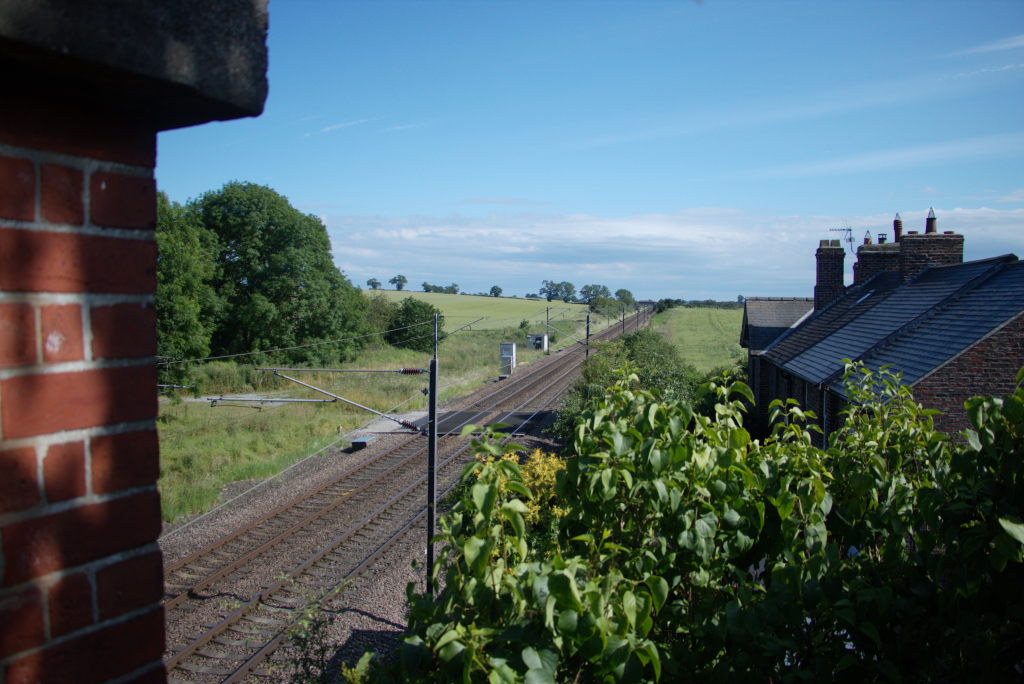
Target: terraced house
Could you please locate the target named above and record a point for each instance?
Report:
(953, 329)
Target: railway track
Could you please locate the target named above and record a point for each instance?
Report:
(248, 588)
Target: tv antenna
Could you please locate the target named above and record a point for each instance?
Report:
(848, 234)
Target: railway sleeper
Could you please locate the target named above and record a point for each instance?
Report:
(205, 669)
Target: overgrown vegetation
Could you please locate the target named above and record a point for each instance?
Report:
(689, 552)
(656, 363)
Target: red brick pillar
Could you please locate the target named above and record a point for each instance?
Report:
(80, 570)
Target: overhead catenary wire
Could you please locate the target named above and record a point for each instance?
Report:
(299, 346)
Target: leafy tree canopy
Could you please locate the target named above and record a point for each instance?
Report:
(625, 296)
(187, 306)
(412, 326)
(399, 281)
(373, 284)
(495, 291)
(588, 293)
(564, 290)
(275, 274)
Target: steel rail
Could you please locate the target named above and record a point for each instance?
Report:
(539, 370)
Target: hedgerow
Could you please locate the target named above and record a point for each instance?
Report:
(689, 552)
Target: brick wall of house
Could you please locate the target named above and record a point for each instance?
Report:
(920, 251)
(80, 570)
(988, 368)
(874, 259)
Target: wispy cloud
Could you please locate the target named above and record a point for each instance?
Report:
(1011, 43)
(402, 127)
(805, 106)
(1015, 197)
(505, 201)
(985, 146)
(338, 126)
(989, 70)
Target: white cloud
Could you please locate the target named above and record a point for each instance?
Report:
(694, 253)
(1011, 43)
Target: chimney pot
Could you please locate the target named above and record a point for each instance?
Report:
(897, 228)
(911, 232)
(881, 238)
(867, 237)
(929, 222)
(949, 232)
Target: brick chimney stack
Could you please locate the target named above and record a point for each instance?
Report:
(829, 283)
(921, 251)
(897, 228)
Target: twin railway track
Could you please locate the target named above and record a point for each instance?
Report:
(248, 588)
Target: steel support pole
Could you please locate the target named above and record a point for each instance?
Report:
(588, 337)
(431, 465)
(547, 325)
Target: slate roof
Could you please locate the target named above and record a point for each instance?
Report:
(949, 329)
(765, 318)
(915, 326)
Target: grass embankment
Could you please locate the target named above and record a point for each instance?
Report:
(203, 447)
(708, 338)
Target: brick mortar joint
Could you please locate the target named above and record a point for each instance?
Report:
(75, 366)
(89, 299)
(87, 165)
(90, 229)
(42, 510)
(48, 440)
(91, 629)
(51, 579)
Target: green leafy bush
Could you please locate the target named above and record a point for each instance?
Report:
(689, 552)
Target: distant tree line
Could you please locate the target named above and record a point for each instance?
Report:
(665, 304)
(239, 270)
(598, 297)
(442, 289)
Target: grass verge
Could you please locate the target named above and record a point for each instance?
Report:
(203, 448)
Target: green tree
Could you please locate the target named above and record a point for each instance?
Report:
(588, 293)
(605, 306)
(275, 273)
(495, 291)
(373, 284)
(186, 302)
(412, 326)
(399, 281)
(625, 296)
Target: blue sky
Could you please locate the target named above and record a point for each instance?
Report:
(677, 149)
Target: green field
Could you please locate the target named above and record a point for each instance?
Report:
(497, 312)
(204, 448)
(708, 338)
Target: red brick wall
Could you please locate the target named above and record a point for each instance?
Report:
(80, 571)
(989, 368)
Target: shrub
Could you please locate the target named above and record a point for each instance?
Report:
(690, 552)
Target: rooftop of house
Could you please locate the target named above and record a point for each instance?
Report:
(914, 326)
(765, 318)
